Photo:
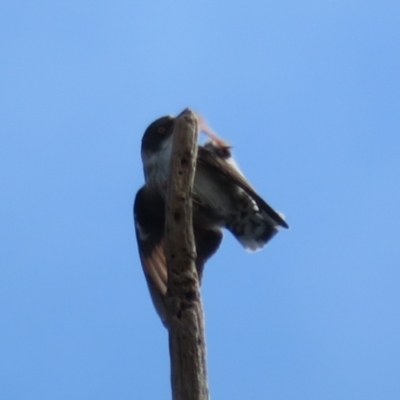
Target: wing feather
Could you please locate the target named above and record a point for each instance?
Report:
(223, 169)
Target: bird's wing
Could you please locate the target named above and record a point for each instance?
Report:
(223, 169)
(149, 219)
(149, 216)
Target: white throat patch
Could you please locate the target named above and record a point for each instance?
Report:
(156, 167)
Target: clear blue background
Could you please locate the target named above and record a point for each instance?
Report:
(307, 92)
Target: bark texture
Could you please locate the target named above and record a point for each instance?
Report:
(185, 319)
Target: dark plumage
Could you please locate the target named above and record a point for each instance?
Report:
(222, 198)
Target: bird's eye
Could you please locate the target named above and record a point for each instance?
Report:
(161, 129)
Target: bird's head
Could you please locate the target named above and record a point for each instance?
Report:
(156, 151)
(157, 136)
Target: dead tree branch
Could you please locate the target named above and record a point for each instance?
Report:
(185, 322)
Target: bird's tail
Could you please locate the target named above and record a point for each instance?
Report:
(255, 224)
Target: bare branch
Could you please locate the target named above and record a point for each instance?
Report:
(185, 319)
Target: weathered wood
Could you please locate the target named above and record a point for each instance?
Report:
(185, 319)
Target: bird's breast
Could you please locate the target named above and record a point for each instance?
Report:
(156, 169)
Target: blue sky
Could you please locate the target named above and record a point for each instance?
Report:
(307, 92)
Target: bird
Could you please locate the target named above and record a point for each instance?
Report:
(222, 198)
